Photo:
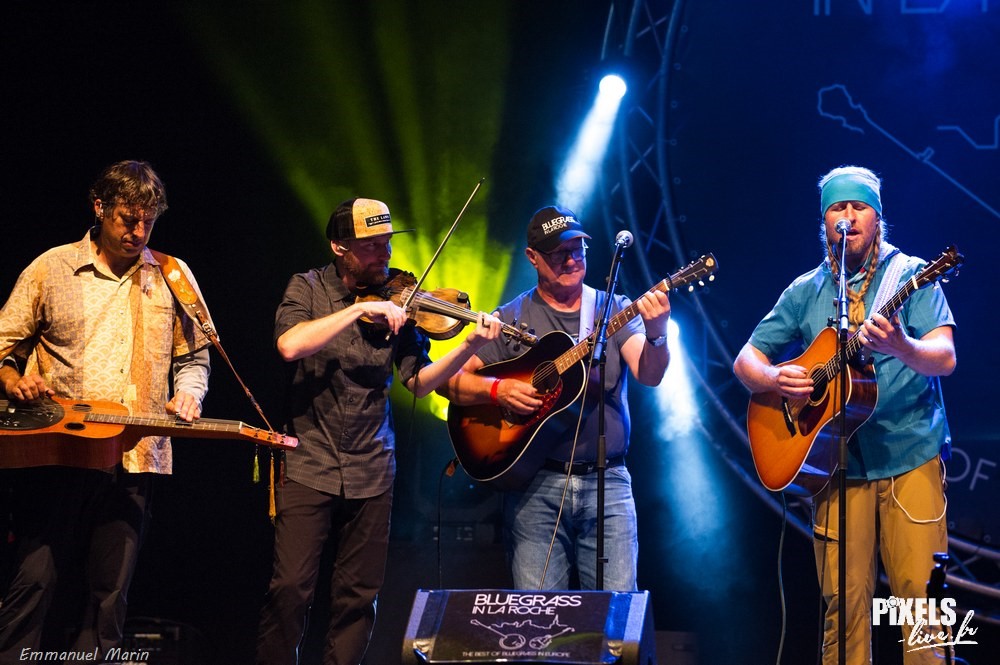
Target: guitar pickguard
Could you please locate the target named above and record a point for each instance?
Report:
(549, 399)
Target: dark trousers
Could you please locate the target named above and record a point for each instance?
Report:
(78, 533)
(360, 533)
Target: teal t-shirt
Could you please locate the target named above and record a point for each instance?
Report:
(908, 426)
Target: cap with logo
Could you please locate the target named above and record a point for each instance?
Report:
(360, 218)
(551, 226)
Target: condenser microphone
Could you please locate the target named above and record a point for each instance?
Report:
(623, 239)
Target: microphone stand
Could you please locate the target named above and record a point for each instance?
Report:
(843, 378)
(601, 357)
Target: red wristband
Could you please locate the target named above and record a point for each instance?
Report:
(493, 391)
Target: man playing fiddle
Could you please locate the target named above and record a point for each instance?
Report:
(338, 483)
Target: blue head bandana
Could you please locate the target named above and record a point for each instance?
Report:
(850, 187)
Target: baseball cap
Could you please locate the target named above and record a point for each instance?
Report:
(360, 218)
(551, 226)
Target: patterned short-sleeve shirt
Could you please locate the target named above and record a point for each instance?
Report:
(91, 335)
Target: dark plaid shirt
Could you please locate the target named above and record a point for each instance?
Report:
(338, 399)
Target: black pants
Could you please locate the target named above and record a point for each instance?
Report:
(78, 533)
(360, 531)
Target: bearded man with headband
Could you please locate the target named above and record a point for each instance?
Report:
(895, 476)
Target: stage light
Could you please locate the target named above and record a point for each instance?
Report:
(578, 176)
(613, 86)
(688, 474)
(430, 156)
(675, 394)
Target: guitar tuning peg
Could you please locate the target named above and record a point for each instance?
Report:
(701, 282)
(711, 278)
(690, 288)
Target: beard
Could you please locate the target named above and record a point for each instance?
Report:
(365, 276)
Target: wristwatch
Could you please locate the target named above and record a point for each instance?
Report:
(657, 341)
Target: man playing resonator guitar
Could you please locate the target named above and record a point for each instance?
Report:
(93, 320)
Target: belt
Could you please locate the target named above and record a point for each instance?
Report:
(580, 468)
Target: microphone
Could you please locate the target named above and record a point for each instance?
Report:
(843, 226)
(623, 239)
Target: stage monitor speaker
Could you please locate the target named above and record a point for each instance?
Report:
(504, 626)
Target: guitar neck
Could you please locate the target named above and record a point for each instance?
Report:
(854, 345)
(203, 428)
(167, 425)
(704, 267)
(615, 323)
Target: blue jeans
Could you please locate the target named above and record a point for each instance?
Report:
(530, 518)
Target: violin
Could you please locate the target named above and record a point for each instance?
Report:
(440, 313)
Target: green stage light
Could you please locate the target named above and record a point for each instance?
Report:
(376, 100)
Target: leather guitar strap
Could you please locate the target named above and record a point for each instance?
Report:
(193, 305)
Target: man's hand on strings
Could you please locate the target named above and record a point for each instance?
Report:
(884, 336)
(518, 396)
(24, 388)
(185, 406)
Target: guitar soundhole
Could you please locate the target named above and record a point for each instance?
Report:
(82, 407)
(74, 426)
(819, 390)
(546, 378)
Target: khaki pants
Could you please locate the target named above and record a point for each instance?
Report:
(904, 518)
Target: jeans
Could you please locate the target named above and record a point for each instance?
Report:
(530, 518)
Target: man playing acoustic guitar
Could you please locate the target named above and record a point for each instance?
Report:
(561, 304)
(93, 320)
(895, 487)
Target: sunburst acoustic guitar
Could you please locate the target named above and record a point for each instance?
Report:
(505, 449)
(794, 441)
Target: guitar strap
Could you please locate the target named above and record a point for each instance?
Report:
(891, 278)
(588, 311)
(194, 306)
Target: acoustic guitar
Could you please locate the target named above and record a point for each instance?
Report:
(506, 449)
(794, 441)
(94, 434)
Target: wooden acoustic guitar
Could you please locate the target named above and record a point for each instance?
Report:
(794, 441)
(505, 449)
(94, 434)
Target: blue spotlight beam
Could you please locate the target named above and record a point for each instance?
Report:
(580, 171)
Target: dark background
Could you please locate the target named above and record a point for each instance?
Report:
(186, 86)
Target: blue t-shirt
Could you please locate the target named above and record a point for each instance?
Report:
(529, 309)
(908, 426)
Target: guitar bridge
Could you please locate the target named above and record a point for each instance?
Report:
(787, 413)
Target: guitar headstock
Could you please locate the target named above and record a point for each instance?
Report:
(696, 271)
(268, 437)
(942, 267)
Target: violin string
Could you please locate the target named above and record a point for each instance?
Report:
(540, 377)
(458, 311)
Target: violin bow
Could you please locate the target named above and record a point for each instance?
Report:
(416, 288)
